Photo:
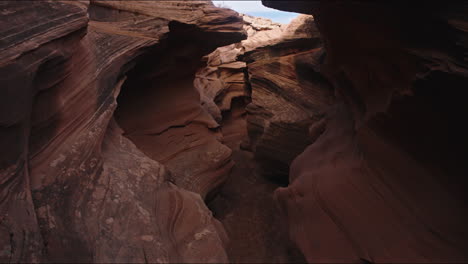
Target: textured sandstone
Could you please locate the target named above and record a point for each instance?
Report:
(160, 112)
(168, 124)
(271, 68)
(245, 204)
(384, 180)
(73, 189)
(115, 131)
(287, 97)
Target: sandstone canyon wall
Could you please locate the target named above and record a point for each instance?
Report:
(73, 188)
(274, 69)
(179, 132)
(385, 181)
(255, 88)
(118, 131)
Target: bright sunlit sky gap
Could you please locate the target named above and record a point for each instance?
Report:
(255, 8)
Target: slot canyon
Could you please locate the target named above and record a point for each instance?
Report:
(186, 132)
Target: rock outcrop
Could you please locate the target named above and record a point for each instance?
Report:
(385, 181)
(73, 188)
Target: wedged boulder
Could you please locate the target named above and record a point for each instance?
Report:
(224, 77)
(222, 80)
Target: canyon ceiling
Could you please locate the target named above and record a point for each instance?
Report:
(181, 132)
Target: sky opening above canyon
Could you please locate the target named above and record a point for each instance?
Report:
(255, 8)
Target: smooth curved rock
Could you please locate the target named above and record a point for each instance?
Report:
(73, 189)
(383, 182)
(159, 110)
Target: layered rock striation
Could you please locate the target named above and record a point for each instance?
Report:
(259, 90)
(117, 127)
(384, 181)
(271, 68)
(73, 188)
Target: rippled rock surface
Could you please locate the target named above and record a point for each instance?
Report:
(384, 181)
(73, 188)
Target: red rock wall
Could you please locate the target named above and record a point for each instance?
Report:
(110, 146)
(73, 189)
(271, 70)
(385, 180)
(159, 110)
(257, 88)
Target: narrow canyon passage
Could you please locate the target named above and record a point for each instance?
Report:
(245, 204)
(184, 132)
(195, 122)
(164, 118)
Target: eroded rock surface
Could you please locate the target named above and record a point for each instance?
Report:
(73, 189)
(384, 182)
(245, 204)
(288, 96)
(260, 91)
(272, 68)
(115, 132)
